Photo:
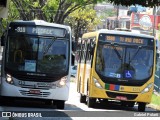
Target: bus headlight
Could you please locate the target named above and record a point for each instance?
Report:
(97, 84)
(149, 86)
(9, 79)
(62, 81)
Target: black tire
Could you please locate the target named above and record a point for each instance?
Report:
(123, 103)
(48, 102)
(1, 100)
(141, 107)
(6, 100)
(82, 98)
(60, 104)
(91, 102)
(131, 104)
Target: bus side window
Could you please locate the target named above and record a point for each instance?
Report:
(83, 51)
(80, 51)
(88, 50)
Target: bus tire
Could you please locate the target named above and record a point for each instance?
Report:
(48, 102)
(131, 104)
(141, 106)
(91, 102)
(60, 104)
(123, 103)
(1, 100)
(82, 98)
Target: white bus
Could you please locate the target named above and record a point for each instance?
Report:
(36, 62)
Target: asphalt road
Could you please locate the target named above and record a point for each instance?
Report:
(72, 109)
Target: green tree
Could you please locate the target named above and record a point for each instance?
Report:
(13, 14)
(82, 20)
(50, 10)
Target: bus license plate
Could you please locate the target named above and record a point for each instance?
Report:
(34, 91)
(121, 98)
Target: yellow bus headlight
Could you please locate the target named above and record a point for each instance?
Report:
(149, 86)
(97, 84)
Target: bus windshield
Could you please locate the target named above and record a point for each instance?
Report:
(38, 55)
(124, 61)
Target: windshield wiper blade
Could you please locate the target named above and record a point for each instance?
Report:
(139, 47)
(116, 51)
(47, 48)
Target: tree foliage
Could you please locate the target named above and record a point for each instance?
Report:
(82, 20)
(49, 10)
(146, 3)
(13, 15)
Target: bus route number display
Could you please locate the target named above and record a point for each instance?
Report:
(124, 39)
(40, 30)
(21, 29)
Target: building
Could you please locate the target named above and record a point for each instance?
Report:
(4, 8)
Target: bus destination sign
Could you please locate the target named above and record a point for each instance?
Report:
(38, 30)
(126, 39)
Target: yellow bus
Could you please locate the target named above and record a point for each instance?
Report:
(116, 65)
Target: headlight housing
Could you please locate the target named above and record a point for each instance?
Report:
(9, 79)
(62, 81)
(146, 89)
(97, 84)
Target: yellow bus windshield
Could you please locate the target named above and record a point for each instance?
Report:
(124, 61)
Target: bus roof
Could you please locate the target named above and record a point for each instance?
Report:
(126, 33)
(38, 22)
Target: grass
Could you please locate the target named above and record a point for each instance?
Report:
(155, 100)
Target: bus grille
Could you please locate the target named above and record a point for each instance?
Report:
(36, 87)
(41, 94)
(128, 96)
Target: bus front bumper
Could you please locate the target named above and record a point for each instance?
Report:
(9, 90)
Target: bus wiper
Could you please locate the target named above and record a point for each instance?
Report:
(50, 44)
(130, 60)
(117, 53)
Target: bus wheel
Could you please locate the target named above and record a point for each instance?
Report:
(1, 100)
(60, 104)
(82, 98)
(123, 103)
(48, 102)
(91, 102)
(141, 106)
(131, 104)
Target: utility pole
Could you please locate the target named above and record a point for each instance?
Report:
(117, 22)
(154, 22)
